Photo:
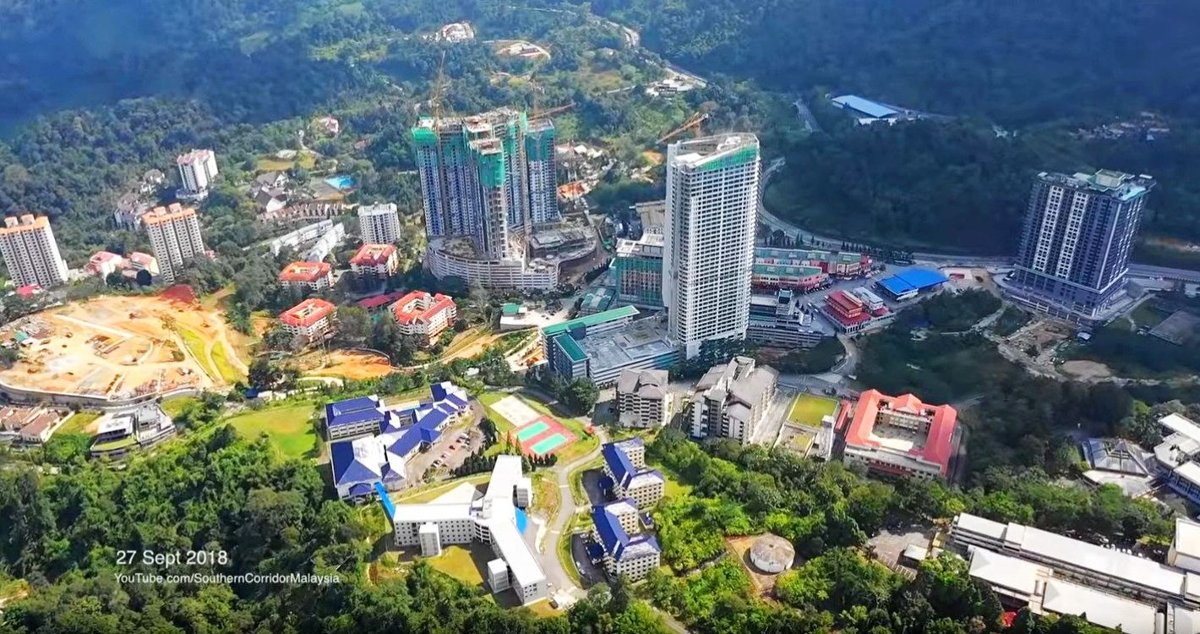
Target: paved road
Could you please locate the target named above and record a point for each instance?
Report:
(556, 573)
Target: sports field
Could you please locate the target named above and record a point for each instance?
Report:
(809, 409)
(539, 434)
(288, 428)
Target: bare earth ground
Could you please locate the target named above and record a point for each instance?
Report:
(347, 364)
(1086, 369)
(764, 584)
(119, 347)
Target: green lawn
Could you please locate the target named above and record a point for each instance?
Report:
(1147, 315)
(226, 369)
(465, 563)
(115, 444)
(287, 427)
(809, 409)
(675, 485)
(421, 495)
(78, 422)
(175, 406)
(198, 347)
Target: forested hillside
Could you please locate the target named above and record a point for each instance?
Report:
(1017, 61)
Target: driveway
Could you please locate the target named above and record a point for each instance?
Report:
(556, 574)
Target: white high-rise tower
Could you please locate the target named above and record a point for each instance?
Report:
(175, 237)
(712, 213)
(30, 252)
(197, 171)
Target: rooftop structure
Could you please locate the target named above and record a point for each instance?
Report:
(865, 107)
(311, 275)
(498, 518)
(643, 399)
(730, 400)
(459, 257)
(379, 223)
(631, 557)
(1176, 454)
(910, 283)
(596, 300)
(772, 554)
(901, 436)
(28, 425)
(777, 321)
(311, 319)
(197, 171)
(424, 316)
(31, 252)
(120, 432)
(638, 270)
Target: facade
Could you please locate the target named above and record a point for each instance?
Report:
(375, 262)
(28, 425)
(483, 179)
(197, 171)
(1176, 455)
(129, 210)
(901, 436)
(175, 238)
(631, 557)
(31, 253)
(638, 270)
(143, 426)
(712, 215)
(611, 344)
(496, 518)
(424, 316)
(1075, 244)
(311, 320)
(379, 223)
(543, 177)
(850, 311)
(835, 264)
(730, 400)
(643, 401)
(625, 465)
(315, 276)
(777, 322)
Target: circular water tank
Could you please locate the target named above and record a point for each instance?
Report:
(772, 554)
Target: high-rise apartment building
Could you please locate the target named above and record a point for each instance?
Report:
(197, 171)
(1076, 241)
(712, 211)
(379, 223)
(543, 192)
(30, 252)
(175, 237)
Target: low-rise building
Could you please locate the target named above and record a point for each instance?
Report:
(599, 347)
(643, 400)
(625, 465)
(103, 263)
(423, 316)
(1176, 456)
(777, 321)
(311, 320)
(374, 263)
(28, 425)
(900, 436)
(805, 269)
(850, 313)
(315, 276)
(730, 400)
(624, 556)
(142, 426)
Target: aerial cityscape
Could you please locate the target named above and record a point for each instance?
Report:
(618, 318)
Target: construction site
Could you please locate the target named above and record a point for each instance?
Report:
(122, 347)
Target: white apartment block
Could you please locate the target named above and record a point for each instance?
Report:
(712, 215)
(730, 400)
(625, 464)
(175, 238)
(624, 555)
(375, 261)
(379, 223)
(314, 276)
(497, 517)
(424, 316)
(197, 170)
(31, 253)
(311, 319)
(643, 401)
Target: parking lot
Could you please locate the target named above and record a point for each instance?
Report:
(456, 443)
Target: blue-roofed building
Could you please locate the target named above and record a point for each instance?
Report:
(865, 107)
(632, 556)
(625, 465)
(354, 417)
(359, 463)
(911, 282)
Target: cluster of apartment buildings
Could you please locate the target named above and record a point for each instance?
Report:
(618, 541)
(419, 315)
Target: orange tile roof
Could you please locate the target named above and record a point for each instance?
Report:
(307, 312)
(305, 271)
(408, 308)
(373, 254)
(174, 211)
(943, 419)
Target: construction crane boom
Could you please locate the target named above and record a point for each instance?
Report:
(693, 124)
(553, 111)
(437, 88)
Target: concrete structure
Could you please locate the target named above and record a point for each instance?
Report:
(370, 442)
(625, 465)
(1175, 456)
(730, 400)
(311, 320)
(175, 238)
(772, 554)
(379, 223)
(457, 257)
(567, 362)
(120, 432)
(496, 518)
(849, 313)
(777, 321)
(600, 346)
(103, 263)
(375, 262)
(299, 237)
(643, 400)
(325, 244)
(712, 216)
(1078, 233)
(596, 300)
(197, 171)
(29, 425)
(315, 276)
(1185, 546)
(900, 436)
(835, 264)
(31, 253)
(624, 556)
(423, 316)
(543, 179)
(638, 270)
(129, 209)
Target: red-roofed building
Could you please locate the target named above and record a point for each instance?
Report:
(901, 436)
(316, 276)
(375, 262)
(311, 319)
(29, 290)
(103, 263)
(375, 302)
(424, 316)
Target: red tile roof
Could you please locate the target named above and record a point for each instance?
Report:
(304, 271)
(307, 312)
(379, 300)
(373, 254)
(409, 308)
(943, 419)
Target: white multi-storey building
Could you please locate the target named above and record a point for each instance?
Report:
(712, 213)
(197, 171)
(543, 178)
(379, 223)
(175, 238)
(624, 555)
(311, 320)
(30, 252)
(625, 464)
(643, 400)
(730, 400)
(424, 316)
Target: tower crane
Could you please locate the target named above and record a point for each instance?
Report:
(692, 124)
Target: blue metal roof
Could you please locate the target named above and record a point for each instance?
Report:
(346, 467)
(895, 285)
(865, 106)
(406, 443)
(353, 411)
(922, 279)
(608, 527)
(360, 489)
(618, 463)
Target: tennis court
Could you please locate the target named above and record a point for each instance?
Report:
(548, 444)
(531, 430)
(515, 411)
